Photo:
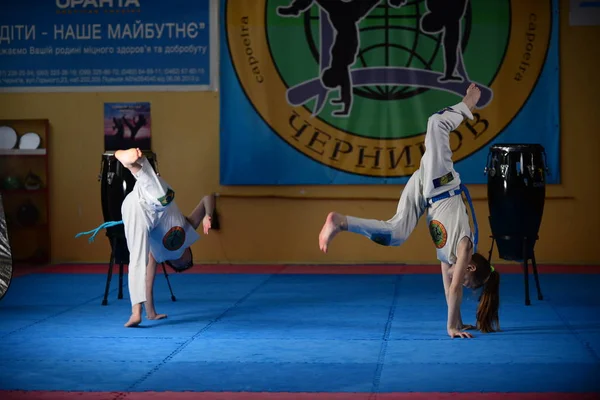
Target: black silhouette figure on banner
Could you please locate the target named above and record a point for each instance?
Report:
(136, 126)
(344, 16)
(119, 127)
(446, 16)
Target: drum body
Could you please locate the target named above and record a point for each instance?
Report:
(116, 183)
(516, 196)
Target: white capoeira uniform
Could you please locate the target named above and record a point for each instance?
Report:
(153, 223)
(435, 186)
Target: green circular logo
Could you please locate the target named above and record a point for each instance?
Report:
(438, 233)
(351, 83)
(391, 37)
(174, 238)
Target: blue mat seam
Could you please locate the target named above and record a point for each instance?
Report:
(583, 342)
(384, 340)
(178, 350)
(50, 317)
(425, 363)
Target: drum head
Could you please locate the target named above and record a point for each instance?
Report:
(6, 270)
(517, 147)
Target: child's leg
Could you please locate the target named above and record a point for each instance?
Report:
(154, 191)
(150, 275)
(136, 221)
(396, 230)
(392, 232)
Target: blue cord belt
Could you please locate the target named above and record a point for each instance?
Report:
(94, 232)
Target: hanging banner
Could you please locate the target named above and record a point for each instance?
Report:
(339, 92)
(107, 45)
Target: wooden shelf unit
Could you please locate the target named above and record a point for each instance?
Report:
(29, 237)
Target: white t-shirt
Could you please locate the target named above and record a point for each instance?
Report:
(437, 166)
(448, 223)
(171, 235)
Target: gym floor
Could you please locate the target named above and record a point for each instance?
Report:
(297, 332)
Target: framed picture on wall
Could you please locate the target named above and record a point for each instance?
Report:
(127, 125)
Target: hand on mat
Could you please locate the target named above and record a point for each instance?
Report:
(453, 333)
(206, 224)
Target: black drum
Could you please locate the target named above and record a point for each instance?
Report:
(116, 183)
(516, 196)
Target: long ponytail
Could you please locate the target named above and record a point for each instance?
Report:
(489, 304)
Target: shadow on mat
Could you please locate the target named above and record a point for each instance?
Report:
(550, 329)
(173, 320)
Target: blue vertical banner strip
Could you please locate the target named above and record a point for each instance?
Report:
(340, 92)
(101, 45)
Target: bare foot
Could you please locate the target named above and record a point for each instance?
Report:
(333, 225)
(134, 320)
(472, 96)
(128, 157)
(155, 317)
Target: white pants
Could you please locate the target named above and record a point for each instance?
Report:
(448, 221)
(435, 164)
(139, 212)
(396, 230)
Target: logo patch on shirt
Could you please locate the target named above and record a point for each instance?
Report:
(438, 233)
(167, 198)
(174, 238)
(444, 180)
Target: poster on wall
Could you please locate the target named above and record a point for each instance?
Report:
(317, 92)
(584, 13)
(127, 125)
(108, 45)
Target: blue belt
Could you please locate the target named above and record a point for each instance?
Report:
(94, 232)
(462, 188)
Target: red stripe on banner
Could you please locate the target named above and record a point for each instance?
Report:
(40, 395)
(316, 269)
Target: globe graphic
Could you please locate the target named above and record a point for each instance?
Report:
(392, 37)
